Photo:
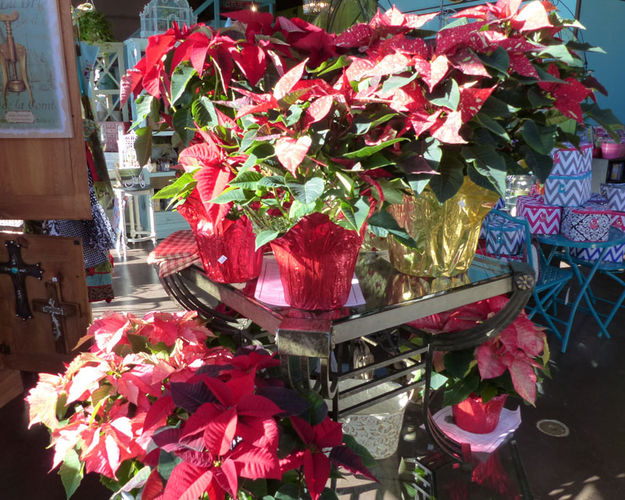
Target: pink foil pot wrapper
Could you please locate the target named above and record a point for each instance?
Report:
(317, 259)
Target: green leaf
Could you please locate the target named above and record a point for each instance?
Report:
(488, 392)
(363, 124)
(204, 112)
(295, 113)
(540, 139)
(355, 214)
(392, 193)
(307, 192)
(395, 82)
(143, 106)
(568, 126)
(247, 179)
(491, 124)
(71, 472)
(328, 66)
(461, 389)
(143, 145)
(376, 160)
(604, 117)
(546, 76)
(538, 99)
(229, 194)
(248, 139)
(346, 181)
(495, 180)
(166, 463)
(184, 125)
(272, 181)
(451, 177)
(382, 224)
(541, 165)
(496, 108)
(289, 491)
(451, 99)
(179, 81)
(299, 209)
(364, 454)
(458, 363)
(561, 53)
(265, 236)
(369, 150)
(177, 189)
(499, 60)
(584, 47)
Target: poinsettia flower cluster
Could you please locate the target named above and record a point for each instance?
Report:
(281, 119)
(507, 363)
(151, 392)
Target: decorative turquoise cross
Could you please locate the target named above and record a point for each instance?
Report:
(18, 271)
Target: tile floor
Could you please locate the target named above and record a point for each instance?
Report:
(586, 392)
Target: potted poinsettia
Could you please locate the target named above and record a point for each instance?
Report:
(491, 94)
(157, 413)
(478, 380)
(265, 144)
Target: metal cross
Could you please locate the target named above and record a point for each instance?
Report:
(56, 308)
(18, 271)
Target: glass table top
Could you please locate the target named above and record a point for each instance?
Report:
(390, 297)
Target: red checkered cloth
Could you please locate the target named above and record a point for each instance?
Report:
(175, 253)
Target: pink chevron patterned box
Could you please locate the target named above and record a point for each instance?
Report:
(542, 218)
(572, 161)
(521, 201)
(618, 220)
(614, 254)
(568, 190)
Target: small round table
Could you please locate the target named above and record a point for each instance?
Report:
(615, 237)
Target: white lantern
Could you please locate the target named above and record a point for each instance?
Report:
(159, 15)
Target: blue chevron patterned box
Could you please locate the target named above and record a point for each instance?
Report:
(503, 237)
(614, 254)
(615, 194)
(568, 190)
(572, 161)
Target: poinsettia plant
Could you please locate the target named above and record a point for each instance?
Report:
(513, 362)
(155, 411)
(281, 119)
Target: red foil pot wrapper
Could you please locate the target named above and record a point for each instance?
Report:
(317, 259)
(227, 249)
(474, 416)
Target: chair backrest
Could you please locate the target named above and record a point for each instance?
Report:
(496, 220)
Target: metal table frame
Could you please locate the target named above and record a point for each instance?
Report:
(309, 342)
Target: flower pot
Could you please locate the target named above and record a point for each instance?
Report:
(377, 427)
(228, 251)
(226, 248)
(474, 416)
(316, 259)
(611, 150)
(446, 234)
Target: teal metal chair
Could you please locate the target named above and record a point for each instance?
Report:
(614, 271)
(550, 280)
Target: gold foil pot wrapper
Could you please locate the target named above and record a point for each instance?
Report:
(403, 287)
(446, 234)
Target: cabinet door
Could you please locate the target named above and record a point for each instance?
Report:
(44, 178)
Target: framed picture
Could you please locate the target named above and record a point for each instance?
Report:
(34, 100)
